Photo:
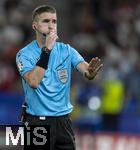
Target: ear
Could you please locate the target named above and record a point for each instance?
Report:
(33, 26)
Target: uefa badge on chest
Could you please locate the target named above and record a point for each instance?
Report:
(63, 75)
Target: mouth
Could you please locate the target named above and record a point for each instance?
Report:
(46, 34)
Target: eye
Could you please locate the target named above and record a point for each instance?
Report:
(54, 21)
(46, 21)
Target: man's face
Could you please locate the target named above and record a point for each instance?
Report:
(46, 23)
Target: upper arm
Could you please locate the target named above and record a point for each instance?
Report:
(24, 64)
(29, 71)
(76, 58)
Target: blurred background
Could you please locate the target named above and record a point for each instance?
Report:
(107, 109)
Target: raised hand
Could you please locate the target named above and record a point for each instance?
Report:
(94, 66)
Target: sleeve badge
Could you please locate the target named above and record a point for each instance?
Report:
(20, 65)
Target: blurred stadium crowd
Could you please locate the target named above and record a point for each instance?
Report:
(104, 28)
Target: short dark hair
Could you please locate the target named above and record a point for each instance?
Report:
(41, 9)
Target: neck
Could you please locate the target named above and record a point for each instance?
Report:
(40, 40)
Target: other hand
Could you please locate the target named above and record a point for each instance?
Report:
(94, 66)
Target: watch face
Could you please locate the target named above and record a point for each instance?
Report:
(46, 50)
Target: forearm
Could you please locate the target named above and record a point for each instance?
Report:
(83, 69)
(35, 76)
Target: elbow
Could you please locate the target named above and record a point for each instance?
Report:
(33, 84)
(32, 80)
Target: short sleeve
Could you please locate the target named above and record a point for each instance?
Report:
(76, 58)
(24, 64)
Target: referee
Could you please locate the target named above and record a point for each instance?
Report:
(45, 69)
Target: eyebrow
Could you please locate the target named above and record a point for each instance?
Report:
(49, 20)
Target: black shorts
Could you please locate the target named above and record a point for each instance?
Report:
(61, 131)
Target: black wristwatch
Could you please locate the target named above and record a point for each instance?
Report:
(45, 49)
(44, 58)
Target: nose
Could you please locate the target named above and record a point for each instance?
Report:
(51, 25)
(52, 29)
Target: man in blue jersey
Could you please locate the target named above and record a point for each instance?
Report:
(45, 68)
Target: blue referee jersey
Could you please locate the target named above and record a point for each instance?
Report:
(52, 97)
